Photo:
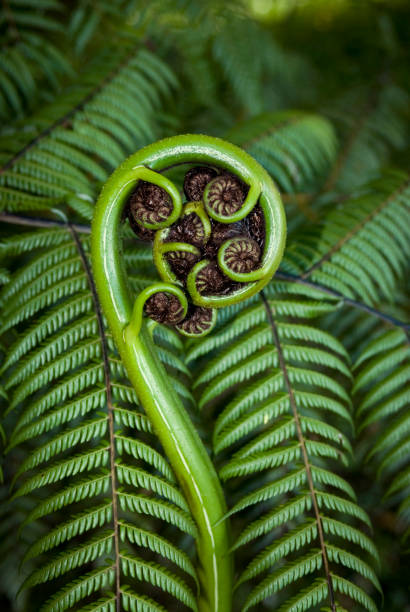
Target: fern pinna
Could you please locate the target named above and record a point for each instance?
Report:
(296, 391)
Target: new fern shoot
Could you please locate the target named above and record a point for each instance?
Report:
(218, 249)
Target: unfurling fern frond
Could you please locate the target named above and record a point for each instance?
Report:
(282, 434)
(92, 454)
(382, 388)
(67, 149)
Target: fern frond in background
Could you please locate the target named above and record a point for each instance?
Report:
(70, 391)
(70, 146)
(300, 395)
(360, 249)
(374, 124)
(383, 405)
(283, 444)
(29, 57)
(297, 148)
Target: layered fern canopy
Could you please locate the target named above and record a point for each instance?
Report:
(71, 392)
(299, 395)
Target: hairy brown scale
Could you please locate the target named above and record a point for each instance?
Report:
(226, 194)
(164, 308)
(149, 203)
(197, 321)
(143, 233)
(196, 180)
(181, 263)
(255, 225)
(243, 255)
(188, 229)
(211, 280)
(220, 233)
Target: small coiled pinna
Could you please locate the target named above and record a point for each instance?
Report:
(221, 246)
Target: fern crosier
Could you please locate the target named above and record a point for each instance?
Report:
(149, 206)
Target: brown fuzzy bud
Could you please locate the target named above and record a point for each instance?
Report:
(226, 194)
(164, 308)
(196, 180)
(243, 255)
(211, 280)
(149, 203)
(141, 232)
(189, 229)
(255, 225)
(181, 263)
(197, 321)
(220, 233)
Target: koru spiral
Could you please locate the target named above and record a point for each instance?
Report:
(220, 246)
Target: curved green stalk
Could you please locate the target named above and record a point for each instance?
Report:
(181, 442)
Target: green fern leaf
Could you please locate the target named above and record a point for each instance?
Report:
(139, 478)
(67, 561)
(137, 603)
(383, 392)
(142, 570)
(160, 509)
(291, 542)
(348, 253)
(69, 467)
(158, 544)
(354, 592)
(74, 592)
(77, 525)
(290, 376)
(91, 487)
(372, 121)
(290, 573)
(295, 147)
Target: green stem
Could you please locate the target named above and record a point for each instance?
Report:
(191, 463)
